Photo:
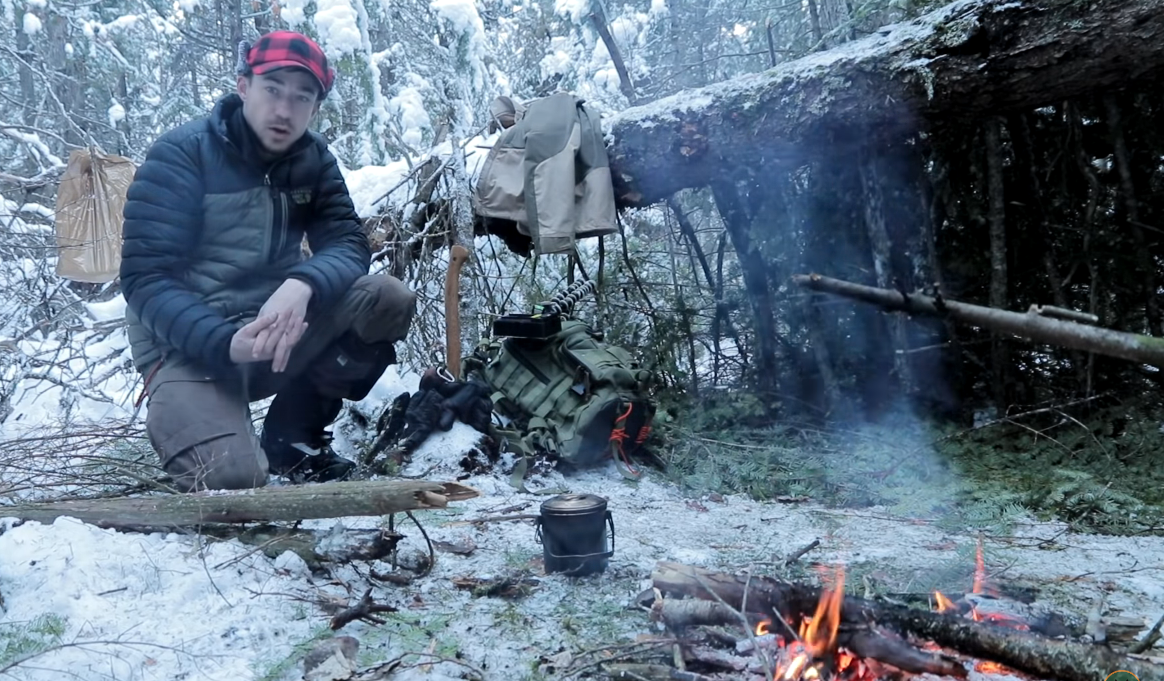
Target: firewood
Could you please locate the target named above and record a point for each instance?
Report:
(680, 614)
(300, 502)
(365, 610)
(1022, 651)
(875, 646)
(715, 658)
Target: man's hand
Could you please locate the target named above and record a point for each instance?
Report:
(242, 343)
(288, 308)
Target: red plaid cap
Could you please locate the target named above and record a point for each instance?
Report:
(287, 49)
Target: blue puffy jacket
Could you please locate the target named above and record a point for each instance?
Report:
(211, 230)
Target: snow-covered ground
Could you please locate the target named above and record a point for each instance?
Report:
(125, 605)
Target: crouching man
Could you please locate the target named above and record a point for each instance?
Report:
(223, 308)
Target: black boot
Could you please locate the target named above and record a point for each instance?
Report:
(319, 463)
(295, 437)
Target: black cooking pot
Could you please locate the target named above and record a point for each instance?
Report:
(572, 532)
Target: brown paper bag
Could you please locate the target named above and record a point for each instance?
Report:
(88, 218)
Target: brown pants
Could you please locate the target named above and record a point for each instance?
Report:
(201, 426)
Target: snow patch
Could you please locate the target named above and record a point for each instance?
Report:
(338, 30)
(368, 184)
(108, 310)
(294, 12)
(32, 24)
(407, 107)
(575, 9)
(461, 14)
(116, 114)
(164, 603)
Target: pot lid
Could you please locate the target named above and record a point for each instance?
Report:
(573, 503)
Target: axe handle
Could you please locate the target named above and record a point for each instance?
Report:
(458, 256)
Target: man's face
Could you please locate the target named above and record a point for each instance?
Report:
(279, 106)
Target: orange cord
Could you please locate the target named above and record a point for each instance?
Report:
(618, 436)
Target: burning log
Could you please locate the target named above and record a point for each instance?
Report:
(1033, 325)
(850, 619)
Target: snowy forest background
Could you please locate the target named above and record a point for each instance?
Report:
(1064, 198)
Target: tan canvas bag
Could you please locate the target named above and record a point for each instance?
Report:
(90, 200)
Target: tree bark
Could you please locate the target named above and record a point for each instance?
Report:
(300, 502)
(882, 247)
(958, 63)
(1032, 324)
(738, 223)
(996, 217)
(1037, 655)
(1144, 258)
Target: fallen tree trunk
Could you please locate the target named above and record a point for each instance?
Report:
(1038, 324)
(1039, 656)
(957, 63)
(300, 502)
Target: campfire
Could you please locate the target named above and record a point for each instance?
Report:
(813, 652)
(750, 627)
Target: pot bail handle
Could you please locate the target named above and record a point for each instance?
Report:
(610, 521)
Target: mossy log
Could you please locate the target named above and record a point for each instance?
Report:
(1036, 655)
(1031, 324)
(267, 504)
(960, 63)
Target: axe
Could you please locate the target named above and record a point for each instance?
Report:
(458, 256)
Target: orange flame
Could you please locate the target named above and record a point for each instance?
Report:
(944, 604)
(821, 635)
(981, 586)
(805, 658)
(763, 627)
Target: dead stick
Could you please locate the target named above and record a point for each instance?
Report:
(366, 610)
(495, 519)
(800, 554)
(1130, 346)
(653, 672)
(1148, 641)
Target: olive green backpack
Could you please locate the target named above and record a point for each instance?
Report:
(570, 395)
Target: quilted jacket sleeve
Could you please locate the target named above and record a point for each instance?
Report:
(340, 251)
(163, 215)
